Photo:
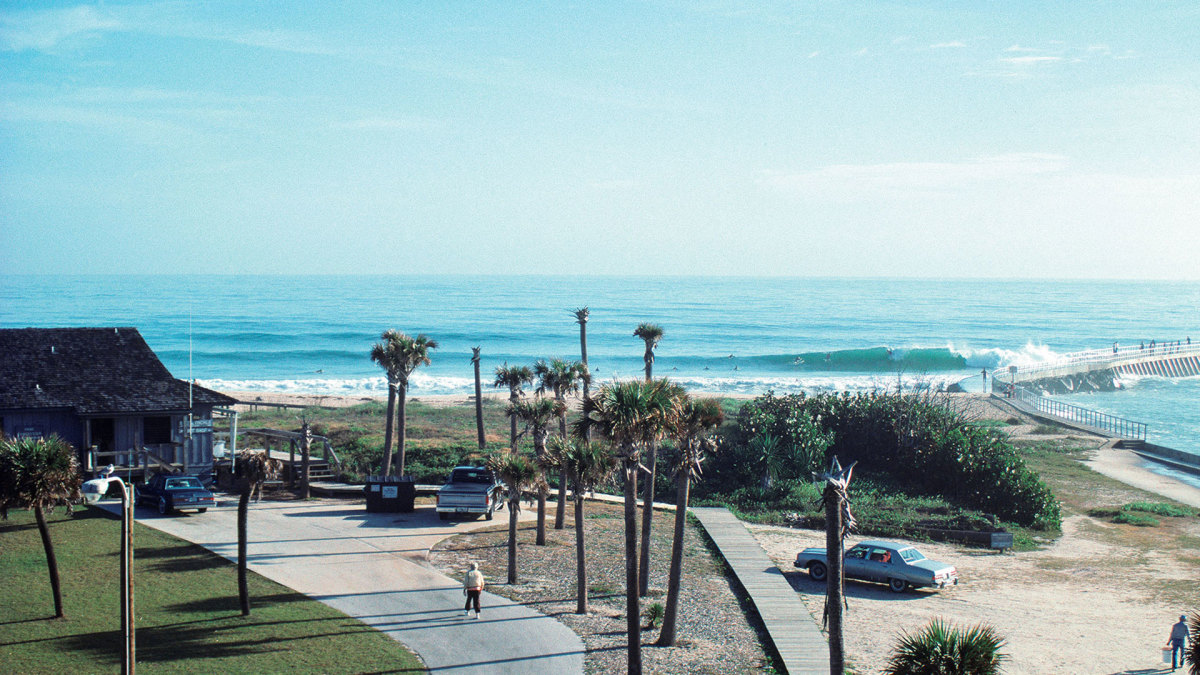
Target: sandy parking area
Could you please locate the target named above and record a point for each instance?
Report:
(1081, 606)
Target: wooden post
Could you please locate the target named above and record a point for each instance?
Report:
(291, 463)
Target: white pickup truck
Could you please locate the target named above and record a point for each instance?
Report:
(470, 490)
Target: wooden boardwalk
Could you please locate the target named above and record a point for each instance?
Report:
(800, 644)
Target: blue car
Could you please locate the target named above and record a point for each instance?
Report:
(174, 493)
(900, 566)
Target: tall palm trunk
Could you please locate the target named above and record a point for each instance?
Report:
(539, 446)
(581, 589)
(389, 429)
(51, 560)
(243, 509)
(401, 421)
(560, 511)
(513, 505)
(649, 357)
(633, 612)
(513, 399)
(583, 352)
(479, 402)
(666, 636)
(647, 517)
(834, 586)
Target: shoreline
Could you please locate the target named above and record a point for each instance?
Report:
(1122, 465)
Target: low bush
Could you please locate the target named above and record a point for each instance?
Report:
(1160, 509)
(1138, 519)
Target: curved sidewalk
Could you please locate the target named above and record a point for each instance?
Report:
(372, 567)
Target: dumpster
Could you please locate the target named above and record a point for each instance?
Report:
(390, 494)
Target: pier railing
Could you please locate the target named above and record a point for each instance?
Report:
(1117, 426)
(1106, 356)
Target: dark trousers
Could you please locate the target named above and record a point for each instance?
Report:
(472, 597)
(1176, 653)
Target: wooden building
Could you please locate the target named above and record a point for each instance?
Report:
(104, 391)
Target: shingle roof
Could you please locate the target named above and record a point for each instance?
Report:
(90, 370)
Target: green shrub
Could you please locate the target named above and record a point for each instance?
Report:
(1131, 518)
(942, 649)
(1160, 509)
(921, 445)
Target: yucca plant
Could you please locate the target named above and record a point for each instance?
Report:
(654, 614)
(1193, 649)
(943, 649)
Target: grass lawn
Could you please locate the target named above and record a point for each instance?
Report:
(187, 615)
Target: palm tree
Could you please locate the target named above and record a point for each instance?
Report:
(413, 353)
(671, 393)
(651, 333)
(560, 378)
(941, 649)
(478, 398)
(536, 415)
(691, 425)
(581, 318)
(586, 466)
(1193, 649)
(385, 355)
(38, 474)
(514, 378)
(622, 414)
(520, 476)
(252, 469)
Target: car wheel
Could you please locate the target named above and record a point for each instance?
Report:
(201, 510)
(163, 507)
(897, 585)
(818, 571)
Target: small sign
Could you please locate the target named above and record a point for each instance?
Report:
(204, 426)
(375, 487)
(1002, 540)
(32, 431)
(390, 491)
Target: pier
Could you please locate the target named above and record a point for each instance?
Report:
(1102, 369)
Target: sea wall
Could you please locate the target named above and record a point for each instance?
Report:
(1178, 459)
(1096, 380)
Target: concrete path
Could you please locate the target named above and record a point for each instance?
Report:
(372, 566)
(793, 630)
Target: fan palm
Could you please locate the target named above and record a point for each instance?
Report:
(413, 353)
(520, 476)
(693, 421)
(537, 415)
(514, 378)
(252, 469)
(560, 378)
(39, 474)
(670, 393)
(478, 398)
(586, 466)
(941, 649)
(1193, 650)
(650, 333)
(385, 355)
(623, 415)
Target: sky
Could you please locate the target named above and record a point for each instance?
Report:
(927, 139)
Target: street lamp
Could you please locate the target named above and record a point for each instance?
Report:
(92, 491)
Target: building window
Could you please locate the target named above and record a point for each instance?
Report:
(157, 430)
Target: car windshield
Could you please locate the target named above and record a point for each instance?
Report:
(178, 483)
(911, 555)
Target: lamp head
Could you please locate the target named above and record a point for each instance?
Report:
(94, 489)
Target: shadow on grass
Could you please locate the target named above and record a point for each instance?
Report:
(195, 642)
(229, 603)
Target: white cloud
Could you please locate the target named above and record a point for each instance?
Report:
(912, 179)
(45, 30)
(385, 123)
(948, 45)
(1030, 60)
(1019, 48)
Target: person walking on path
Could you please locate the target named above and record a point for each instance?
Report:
(472, 587)
(1178, 641)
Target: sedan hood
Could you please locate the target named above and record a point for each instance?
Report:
(932, 566)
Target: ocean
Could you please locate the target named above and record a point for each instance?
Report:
(312, 334)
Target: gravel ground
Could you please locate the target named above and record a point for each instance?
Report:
(715, 635)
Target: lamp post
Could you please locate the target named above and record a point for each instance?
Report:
(92, 491)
